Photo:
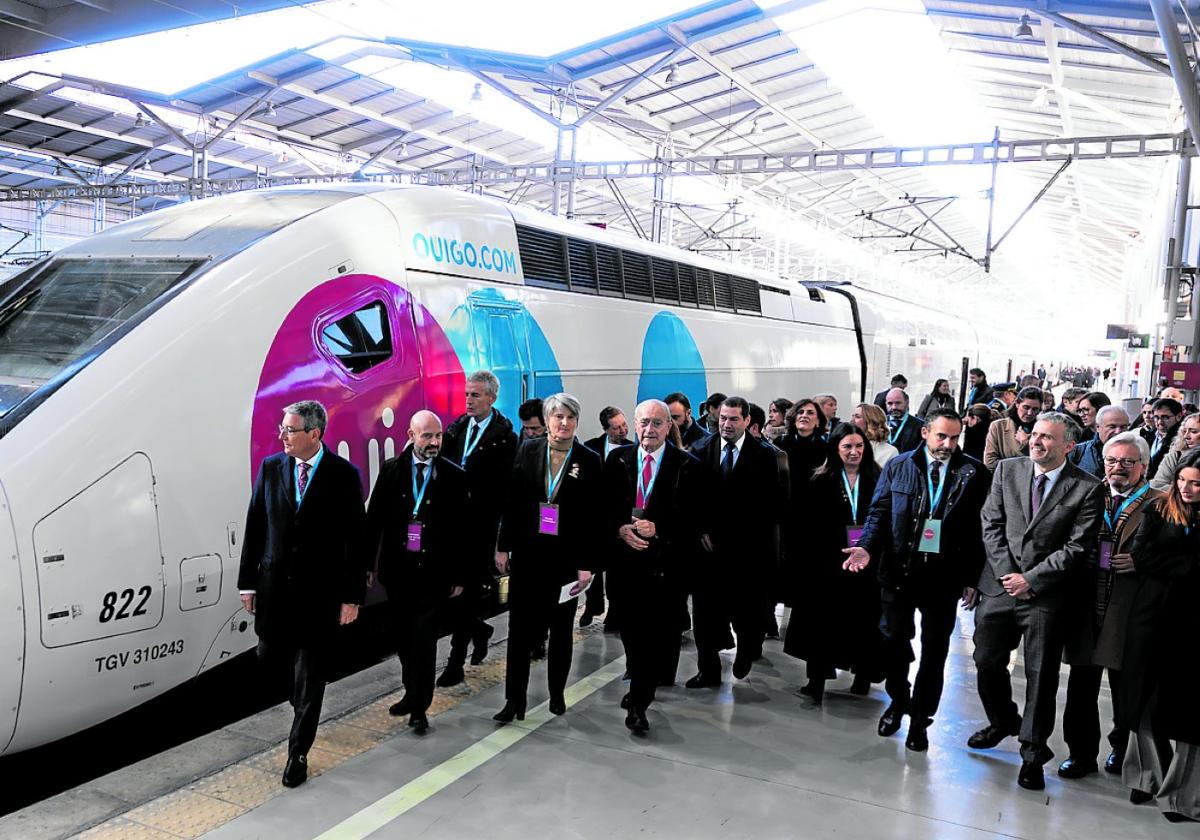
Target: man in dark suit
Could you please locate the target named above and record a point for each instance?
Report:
(484, 444)
(1040, 524)
(979, 392)
(612, 421)
(681, 414)
(1166, 417)
(303, 569)
(940, 486)
(649, 510)
(904, 430)
(743, 504)
(898, 381)
(416, 537)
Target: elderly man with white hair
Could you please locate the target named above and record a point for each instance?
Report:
(1111, 420)
(1096, 635)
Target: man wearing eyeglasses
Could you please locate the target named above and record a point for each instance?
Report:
(303, 568)
(1096, 630)
(1166, 416)
(648, 493)
(1111, 420)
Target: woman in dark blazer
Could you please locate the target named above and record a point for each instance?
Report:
(939, 397)
(1160, 678)
(837, 623)
(548, 538)
(804, 446)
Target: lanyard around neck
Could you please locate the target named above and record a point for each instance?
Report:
(896, 434)
(467, 450)
(553, 480)
(419, 495)
(643, 488)
(1110, 519)
(936, 498)
(852, 494)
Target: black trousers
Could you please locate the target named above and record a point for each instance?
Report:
(464, 619)
(415, 614)
(1081, 717)
(594, 603)
(650, 634)
(302, 670)
(717, 602)
(939, 609)
(533, 609)
(1002, 623)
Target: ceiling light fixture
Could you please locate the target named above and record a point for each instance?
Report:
(1024, 30)
(403, 150)
(671, 68)
(477, 94)
(141, 121)
(270, 109)
(756, 128)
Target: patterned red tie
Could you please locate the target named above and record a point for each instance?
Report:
(303, 477)
(647, 474)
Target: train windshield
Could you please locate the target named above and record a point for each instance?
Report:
(56, 313)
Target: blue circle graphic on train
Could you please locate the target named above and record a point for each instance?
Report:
(671, 361)
(493, 332)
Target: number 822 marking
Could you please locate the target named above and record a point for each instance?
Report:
(110, 611)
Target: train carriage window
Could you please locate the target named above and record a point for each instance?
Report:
(360, 340)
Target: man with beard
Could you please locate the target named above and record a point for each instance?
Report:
(904, 430)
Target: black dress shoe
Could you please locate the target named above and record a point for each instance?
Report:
(1074, 768)
(889, 721)
(990, 736)
(1139, 797)
(625, 701)
(1113, 763)
(861, 685)
(741, 667)
(419, 722)
(1031, 776)
(636, 721)
(586, 619)
(558, 706)
(452, 674)
(1176, 817)
(510, 712)
(703, 681)
(772, 630)
(296, 771)
(479, 647)
(814, 690)
(918, 736)
(401, 708)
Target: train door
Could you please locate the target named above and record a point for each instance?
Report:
(500, 336)
(12, 627)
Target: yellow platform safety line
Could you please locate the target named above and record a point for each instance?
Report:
(378, 814)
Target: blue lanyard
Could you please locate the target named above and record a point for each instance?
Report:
(1110, 520)
(896, 434)
(552, 481)
(852, 495)
(971, 396)
(467, 450)
(936, 498)
(643, 488)
(419, 497)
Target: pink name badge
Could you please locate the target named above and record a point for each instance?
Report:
(548, 519)
(853, 535)
(414, 536)
(1106, 551)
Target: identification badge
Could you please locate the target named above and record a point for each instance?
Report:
(931, 537)
(639, 513)
(853, 535)
(414, 536)
(548, 519)
(1106, 552)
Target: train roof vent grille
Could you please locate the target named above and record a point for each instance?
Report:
(543, 257)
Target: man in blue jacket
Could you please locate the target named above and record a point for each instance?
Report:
(923, 538)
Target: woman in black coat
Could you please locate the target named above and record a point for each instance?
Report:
(978, 420)
(939, 397)
(837, 623)
(804, 446)
(1160, 677)
(548, 539)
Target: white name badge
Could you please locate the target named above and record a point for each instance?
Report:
(931, 537)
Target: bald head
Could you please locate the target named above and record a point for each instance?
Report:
(897, 402)
(652, 420)
(425, 434)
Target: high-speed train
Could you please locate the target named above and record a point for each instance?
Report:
(143, 372)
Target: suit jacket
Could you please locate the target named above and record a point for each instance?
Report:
(694, 433)
(1149, 436)
(671, 507)
(444, 512)
(743, 513)
(488, 470)
(1001, 443)
(304, 563)
(596, 444)
(1055, 543)
(555, 559)
(909, 437)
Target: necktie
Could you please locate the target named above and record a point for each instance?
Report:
(727, 462)
(1039, 488)
(420, 476)
(303, 485)
(647, 473)
(472, 435)
(936, 475)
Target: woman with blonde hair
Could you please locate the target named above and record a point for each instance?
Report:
(871, 419)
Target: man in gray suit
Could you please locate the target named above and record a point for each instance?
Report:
(1040, 524)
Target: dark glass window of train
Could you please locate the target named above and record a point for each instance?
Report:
(361, 339)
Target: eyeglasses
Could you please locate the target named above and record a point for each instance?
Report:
(284, 430)
(1163, 418)
(656, 422)
(1124, 462)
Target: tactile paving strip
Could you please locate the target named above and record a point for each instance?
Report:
(211, 802)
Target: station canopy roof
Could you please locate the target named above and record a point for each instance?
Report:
(751, 105)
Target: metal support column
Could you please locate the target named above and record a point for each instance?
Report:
(39, 226)
(658, 203)
(1178, 235)
(563, 177)
(99, 213)
(1181, 69)
(987, 250)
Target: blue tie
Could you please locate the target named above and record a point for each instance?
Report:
(727, 462)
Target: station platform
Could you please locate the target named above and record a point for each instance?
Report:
(747, 760)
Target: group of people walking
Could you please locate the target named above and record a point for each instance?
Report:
(858, 526)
